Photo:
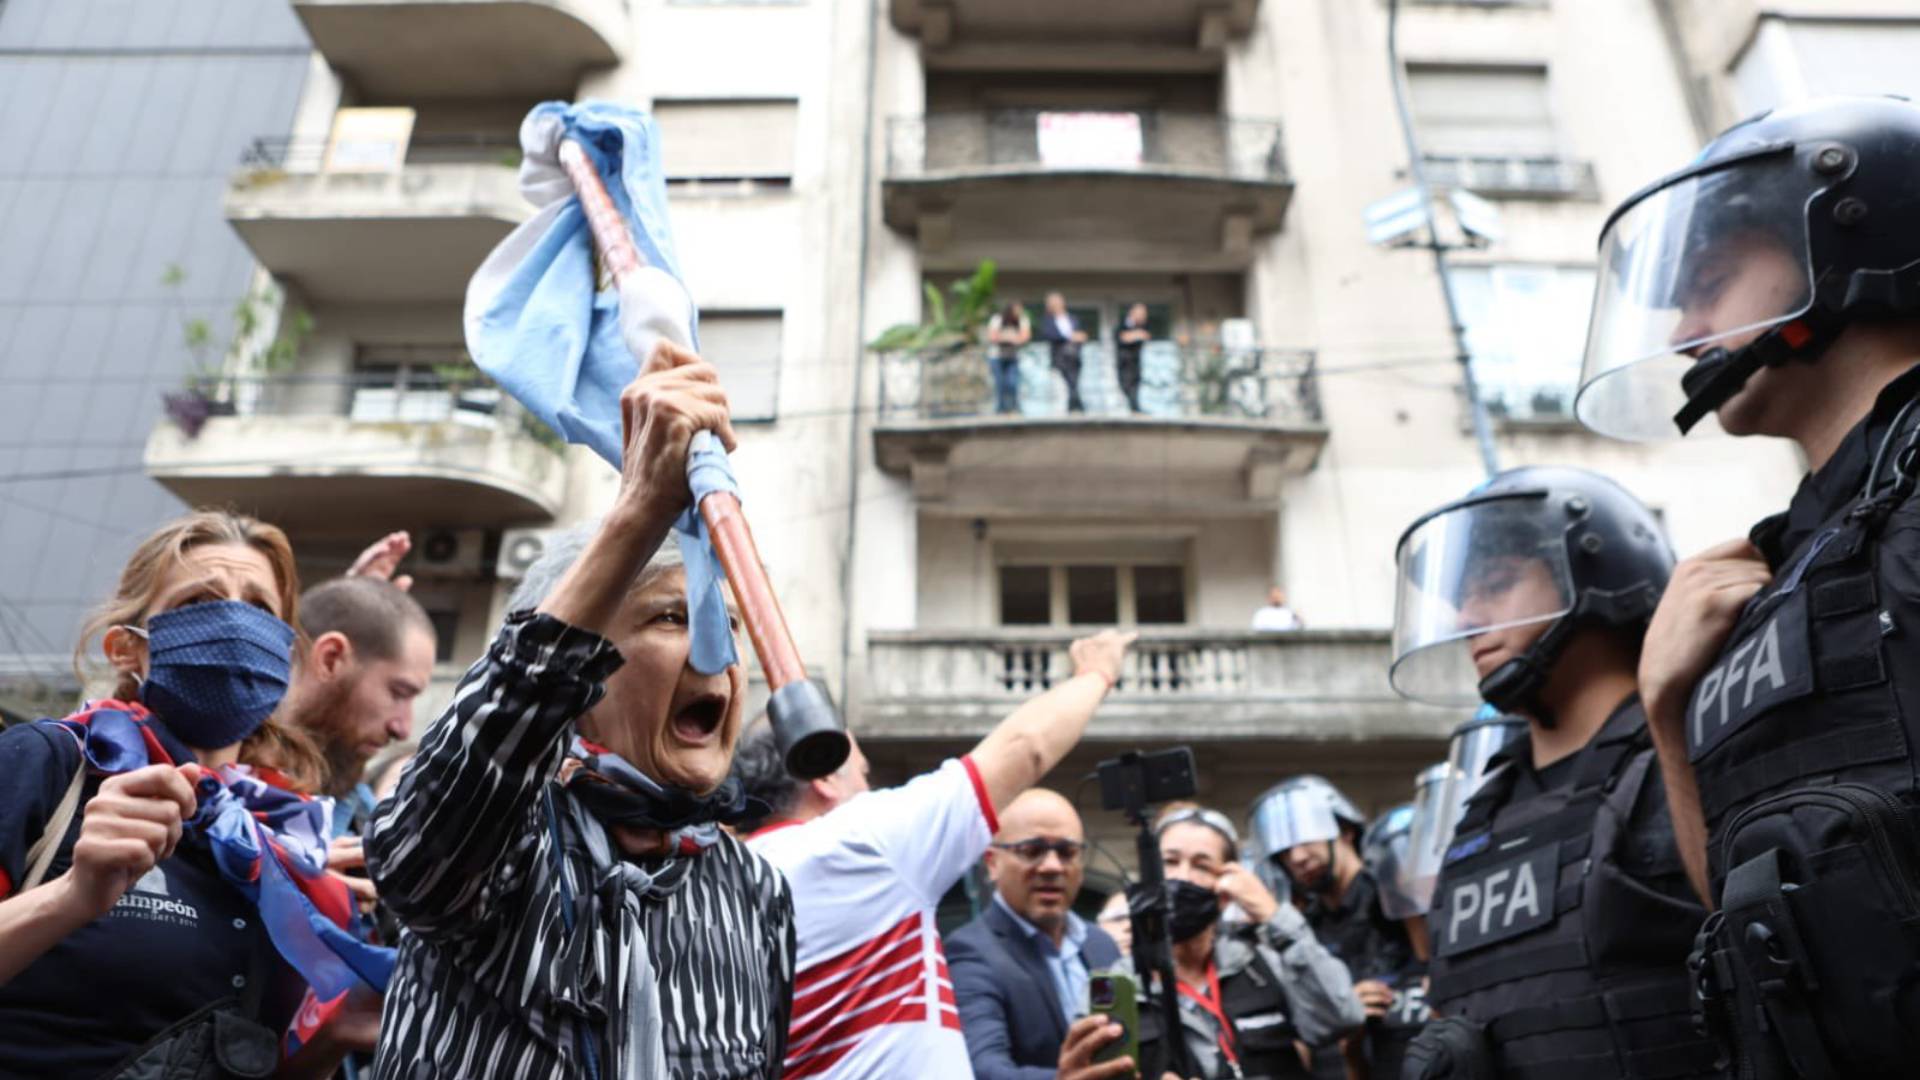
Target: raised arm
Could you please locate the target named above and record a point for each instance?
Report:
(464, 827)
(1014, 756)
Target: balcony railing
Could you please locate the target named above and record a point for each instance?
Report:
(1514, 177)
(1175, 683)
(416, 398)
(300, 154)
(1203, 145)
(1274, 385)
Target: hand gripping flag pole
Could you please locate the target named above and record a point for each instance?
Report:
(810, 733)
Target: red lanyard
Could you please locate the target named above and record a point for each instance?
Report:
(1210, 1001)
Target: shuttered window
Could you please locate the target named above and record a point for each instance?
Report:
(745, 346)
(727, 140)
(1482, 111)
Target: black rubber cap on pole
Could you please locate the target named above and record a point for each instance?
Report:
(813, 739)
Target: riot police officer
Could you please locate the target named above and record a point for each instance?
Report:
(1311, 832)
(1775, 281)
(1562, 918)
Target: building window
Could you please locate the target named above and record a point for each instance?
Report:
(1526, 328)
(1026, 595)
(1790, 60)
(1490, 130)
(1093, 594)
(745, 346)
(719, 141)
(1481, 110)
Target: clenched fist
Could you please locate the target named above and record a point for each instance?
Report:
(128, 828)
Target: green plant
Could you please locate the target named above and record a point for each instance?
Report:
(946, 324)
(244, 351)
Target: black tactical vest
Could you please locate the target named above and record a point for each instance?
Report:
(1373, 946)
(1811, 684)
(1546, 930)
(1801, 737)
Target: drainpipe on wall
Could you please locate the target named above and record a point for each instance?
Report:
(859, 361)
(1416, 168)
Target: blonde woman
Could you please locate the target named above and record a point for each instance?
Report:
(146, 873)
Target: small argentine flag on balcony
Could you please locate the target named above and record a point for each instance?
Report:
(539, 322)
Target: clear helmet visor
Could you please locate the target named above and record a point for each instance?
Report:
(1292, 816)
(1407, 873)
(1705, 264)
(1469, 577)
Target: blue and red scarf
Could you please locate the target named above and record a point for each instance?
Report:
(244, 816)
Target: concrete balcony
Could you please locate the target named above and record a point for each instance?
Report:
(1064, 191)
(413, 234)
(1218, 431)
(402, 50)
(1511, 177)
(1319, 685)
(1094, 35)
(320, 454)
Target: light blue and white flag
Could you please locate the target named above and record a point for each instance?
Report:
(538, 323)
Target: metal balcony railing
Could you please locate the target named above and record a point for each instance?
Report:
(1513, 176)
(382, 398)
(299, 154)
(1176, 383)
(1202, 145)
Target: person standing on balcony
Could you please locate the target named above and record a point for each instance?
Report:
(1007, 331)
(1133, 337)
(873, 997)
(1276, 616)
(1064, 337)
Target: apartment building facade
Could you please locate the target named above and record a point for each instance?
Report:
(828, 162)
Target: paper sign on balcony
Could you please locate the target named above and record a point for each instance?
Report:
(1090, 140)
(369, 140)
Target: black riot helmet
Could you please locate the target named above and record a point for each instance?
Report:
(1785, 229)
(1540, 544)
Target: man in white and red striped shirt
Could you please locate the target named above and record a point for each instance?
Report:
(872, 997)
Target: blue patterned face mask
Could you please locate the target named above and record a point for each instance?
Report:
(215, 671)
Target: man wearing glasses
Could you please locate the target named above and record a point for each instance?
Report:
(1020, 970)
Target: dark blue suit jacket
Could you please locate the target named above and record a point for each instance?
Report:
(1009, 1011)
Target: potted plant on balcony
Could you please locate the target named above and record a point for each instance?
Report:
(201, 398)
(942, 349)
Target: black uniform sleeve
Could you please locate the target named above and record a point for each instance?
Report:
(39, 765)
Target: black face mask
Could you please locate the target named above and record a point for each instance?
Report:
(1191, 909)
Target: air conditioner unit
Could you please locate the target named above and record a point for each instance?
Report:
(519, 550)
(448, 553)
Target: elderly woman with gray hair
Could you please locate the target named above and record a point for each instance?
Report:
(572, 906)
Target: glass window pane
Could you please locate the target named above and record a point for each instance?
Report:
(1024, 599)
(1093, 595)
(1159, 595)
